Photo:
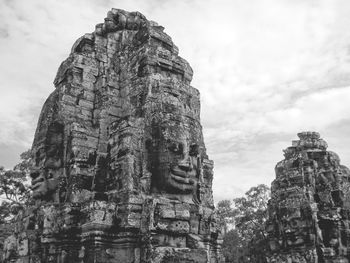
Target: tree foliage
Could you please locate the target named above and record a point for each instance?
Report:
(14, 189)
(251, 212)
(231, 246)
(225, 214)
(246, 242)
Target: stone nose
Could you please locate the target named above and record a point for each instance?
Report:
(186, 163)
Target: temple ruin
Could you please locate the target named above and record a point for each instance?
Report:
(309, 208)
(120, 172)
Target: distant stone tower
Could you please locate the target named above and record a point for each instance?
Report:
(121, 171)
(310, 205)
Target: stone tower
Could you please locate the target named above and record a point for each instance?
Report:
(121, 171)
(309, 208)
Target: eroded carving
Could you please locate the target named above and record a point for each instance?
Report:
(174, 157)
(121, 172)
(49, 164)
(309, 205)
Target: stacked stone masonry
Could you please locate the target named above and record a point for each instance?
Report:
(309, 210)
(120, 172)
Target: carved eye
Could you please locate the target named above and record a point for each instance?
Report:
(49, 175)
(176, 148)
(34, 174)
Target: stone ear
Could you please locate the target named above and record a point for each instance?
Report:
(194, 149)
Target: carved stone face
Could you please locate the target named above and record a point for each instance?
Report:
(295, 232)
(49, 165)
(44, 183)
(23, 248)
(175, 158)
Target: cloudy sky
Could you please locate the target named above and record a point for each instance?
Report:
(266, 70)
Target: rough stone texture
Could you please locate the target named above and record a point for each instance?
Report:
(310, 205)
(121, 171)
(5, 231)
